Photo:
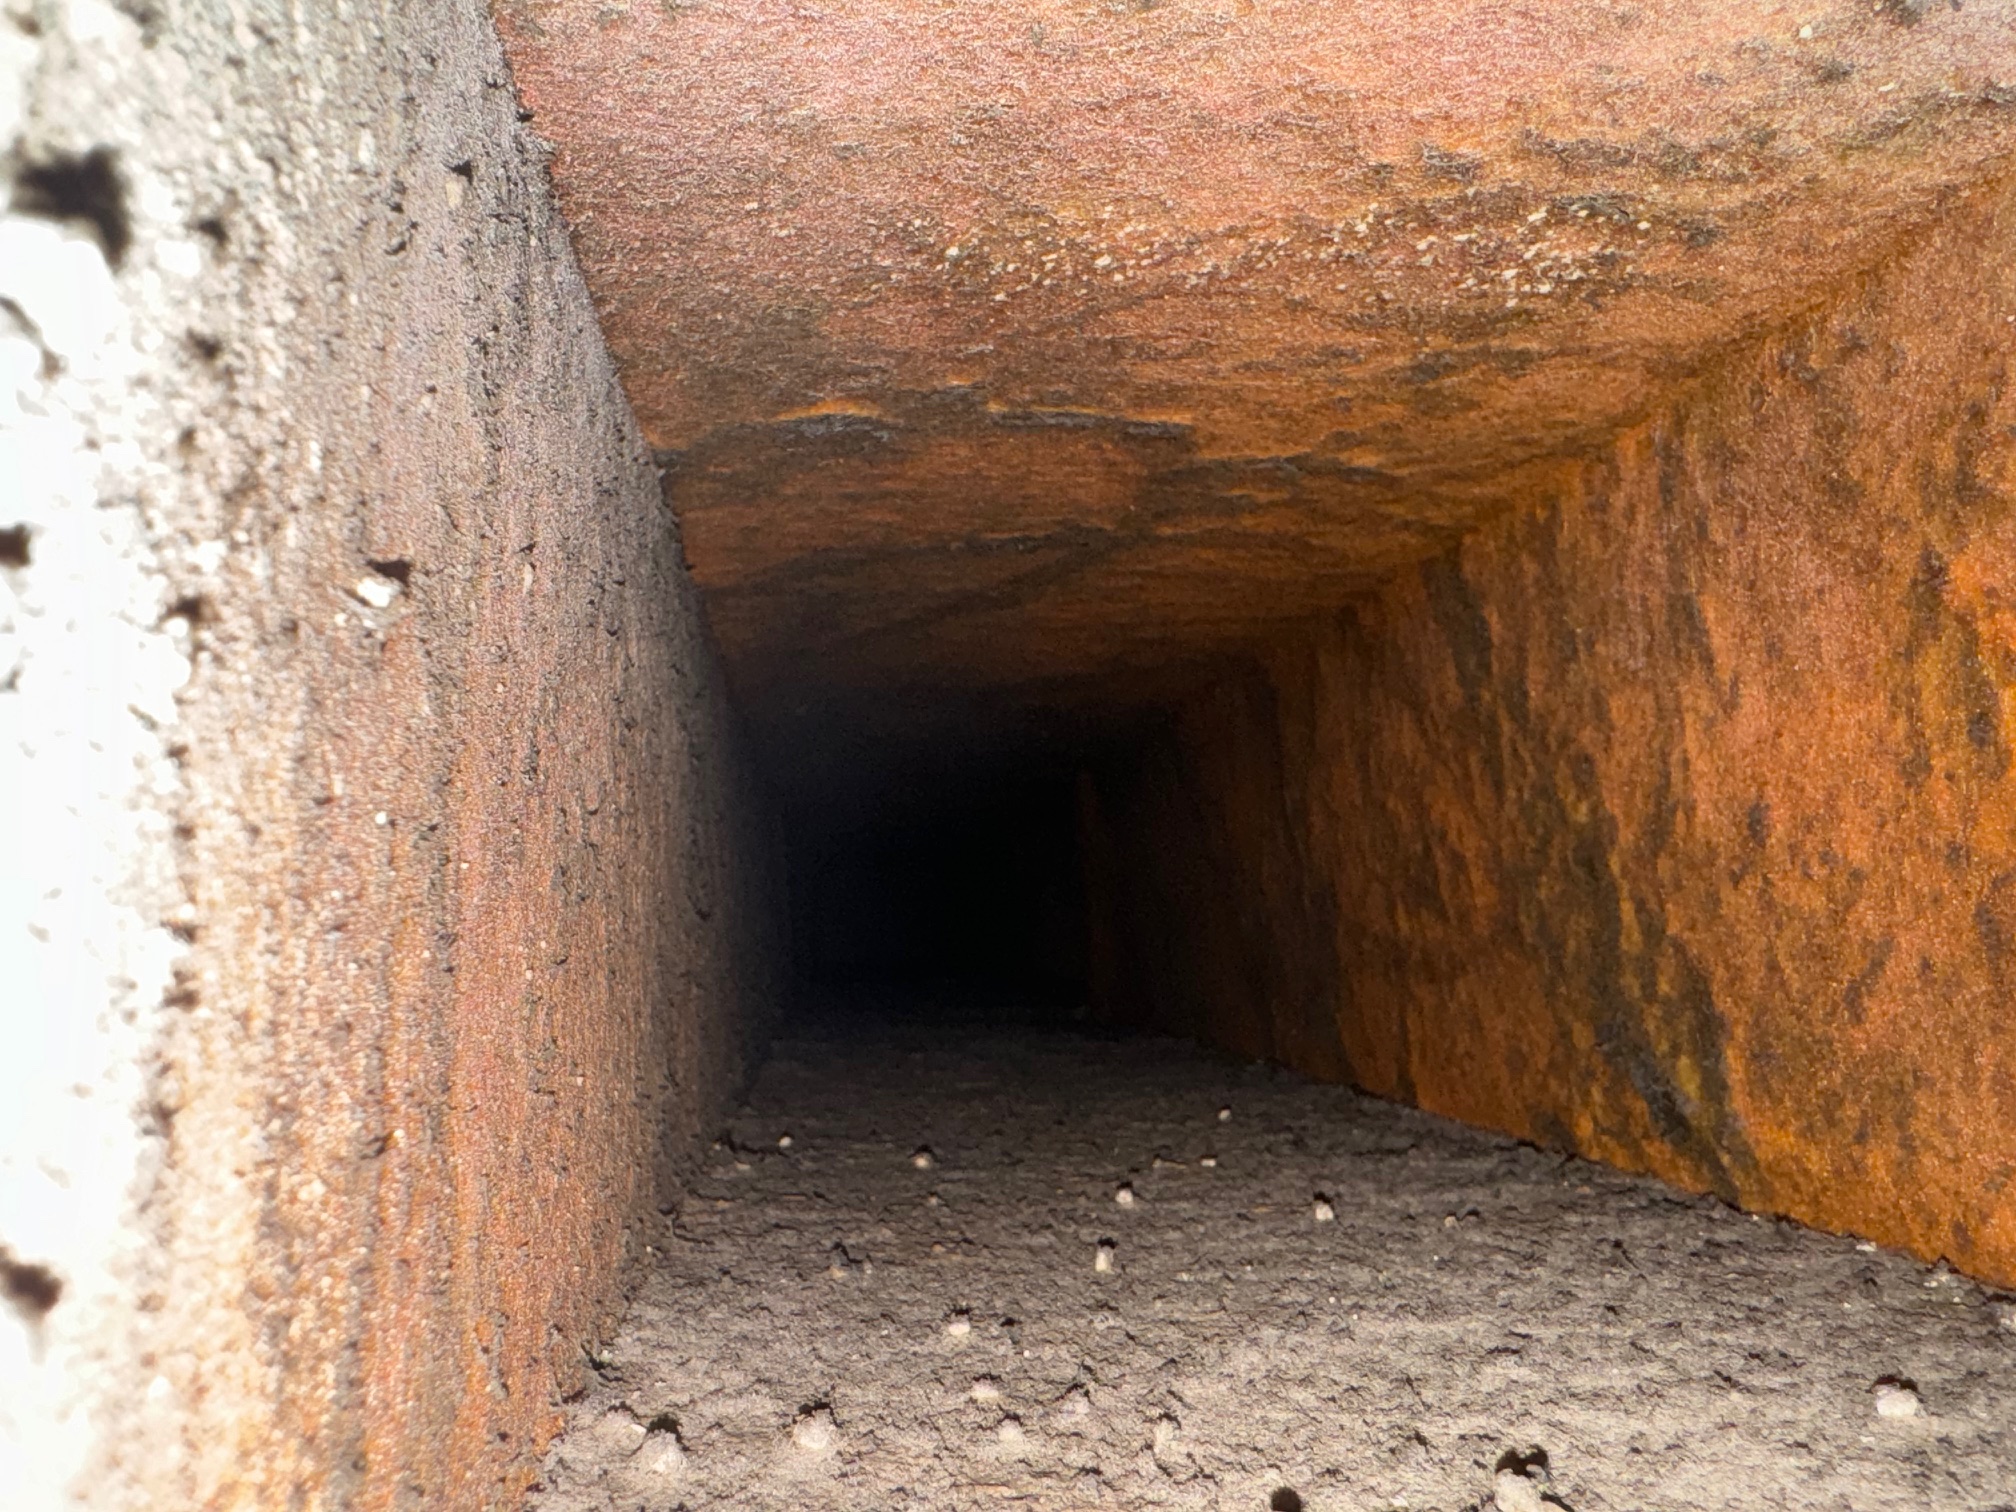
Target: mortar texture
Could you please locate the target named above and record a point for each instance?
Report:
(395, 907)
(830, 1326)
(1669, 820)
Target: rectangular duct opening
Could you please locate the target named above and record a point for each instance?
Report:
(1024, 1203)
(957, 886)
(505, 530)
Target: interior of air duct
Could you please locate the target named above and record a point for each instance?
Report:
(1407, 570)
(966, 886)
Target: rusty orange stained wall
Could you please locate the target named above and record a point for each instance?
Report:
(477, 897)
(1008, 340)
(1671, 818)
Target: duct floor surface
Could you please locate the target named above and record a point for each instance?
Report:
(966, 1265)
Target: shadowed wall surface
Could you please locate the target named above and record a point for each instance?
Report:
(1669, 819)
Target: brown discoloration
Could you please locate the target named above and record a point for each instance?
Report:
(997, 344)
(940, 539)
(478, 887)
(1671, 818)
(1359, 264)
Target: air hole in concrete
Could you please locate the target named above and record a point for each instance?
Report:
(1520, 1483)
(85, 189)
(194, 609)
(14, 549)
(1285, 1500)
(1529, 1462)
(32, 1290)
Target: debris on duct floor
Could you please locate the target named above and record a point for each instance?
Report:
(834, 1325)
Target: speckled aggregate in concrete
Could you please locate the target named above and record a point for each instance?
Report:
(902, 1307)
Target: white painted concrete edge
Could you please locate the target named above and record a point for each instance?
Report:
(90, 664)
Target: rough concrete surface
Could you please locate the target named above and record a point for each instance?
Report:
(1670, 818)
(91, 658)
(389, 907)
(387, 891)
(885, 1291)
(1017, 337)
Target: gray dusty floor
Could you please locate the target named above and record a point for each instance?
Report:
(841, 1322)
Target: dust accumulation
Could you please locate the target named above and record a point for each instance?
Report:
(981, 1265)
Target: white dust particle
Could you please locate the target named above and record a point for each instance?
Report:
(783, 1141)
(1513, 1492)
(378, 592)
(924, 1159)
(958, 1325)
(1124, 1195)
(1321, 1210)
(618, 1432)
(1224, 1115)
(662, 1455)
(1102, 1258)
(815, 1432)
(1895, 1400)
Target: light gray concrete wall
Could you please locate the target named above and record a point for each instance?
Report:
(383, 909)
(91, 662)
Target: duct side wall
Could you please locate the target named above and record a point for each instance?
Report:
(1670, 818)
(385, 911)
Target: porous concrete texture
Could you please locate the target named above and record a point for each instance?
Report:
(1473, 541)
(1317, 1294)
(1007, 339)
(1669, 819)
(91, 659)
(384, 897)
